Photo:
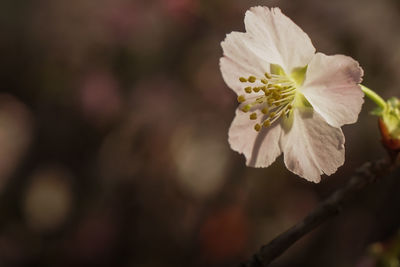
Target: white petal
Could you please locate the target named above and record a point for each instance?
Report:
(331, 86)
(278, 39)
(260, 148)
(311, 146)
(240, 61)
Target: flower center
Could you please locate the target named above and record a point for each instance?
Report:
(272, 97)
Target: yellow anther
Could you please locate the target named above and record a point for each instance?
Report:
(267, 92)
(256, 89)
(269, 86)
(247, 89)
(241, 99)
(264, 81)
(266, 123)
(272, 114)
(270, 101)
(257, 127)
(252, 79)
(253, 116)
(264, 110)
(278, 87)
(243, 79)
(246, 108)
(264, 88)
(289, 107)
(267, 75)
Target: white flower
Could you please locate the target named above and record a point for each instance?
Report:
(293, 100)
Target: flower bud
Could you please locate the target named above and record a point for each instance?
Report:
(389, 124)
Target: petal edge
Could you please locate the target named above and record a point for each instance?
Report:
(332, 88)
(312, 147)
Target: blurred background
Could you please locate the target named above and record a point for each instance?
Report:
(113, 138)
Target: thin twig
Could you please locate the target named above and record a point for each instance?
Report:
(366, 174)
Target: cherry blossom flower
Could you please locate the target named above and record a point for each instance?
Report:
(292, 99)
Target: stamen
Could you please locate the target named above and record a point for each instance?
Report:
(252, 79)
(275, 102)
(241, 99)
(248, 90)
(266, 123)
(272, 115)
(289, 92)
(246, 108)
(264, 110)
(281, 101)
(253, 116)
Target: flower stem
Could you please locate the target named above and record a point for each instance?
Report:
(364, 176)
(373, 96)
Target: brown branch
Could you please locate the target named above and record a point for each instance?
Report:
(366, 174)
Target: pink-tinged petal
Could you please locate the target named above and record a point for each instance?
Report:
(311, 146)
(331, 86)
(278, 39)
(240, 61)
(260, 148)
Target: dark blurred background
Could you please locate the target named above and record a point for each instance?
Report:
(113, 137)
